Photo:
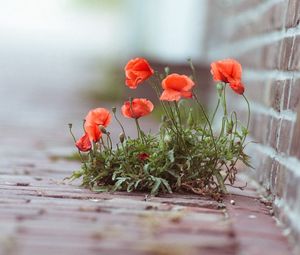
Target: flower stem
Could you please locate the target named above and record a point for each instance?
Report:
(80, 155)
(207, 120)
(215, 111)
(249, 111)
(119, 122)
(139, 130)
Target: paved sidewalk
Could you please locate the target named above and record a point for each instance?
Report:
(41, 214)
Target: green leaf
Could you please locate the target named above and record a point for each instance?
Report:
(167, 185)
(75, 175)
(171, 155)
(119, 183)
(130, 186)
(137, 183)
(155, 187)
(145, 168)
(245, 131)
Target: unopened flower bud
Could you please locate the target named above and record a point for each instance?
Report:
(122, 137)
(102, 129)
(167, 70)
(207, 139)
(114, 109)
(229, 127)
(70, 125)
(190, 120)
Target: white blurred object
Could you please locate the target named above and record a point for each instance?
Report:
(171, 30)
(58, 24)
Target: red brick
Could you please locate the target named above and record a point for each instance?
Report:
(285, 53)
(276, 95)
(273, 175)
(294, 64)
(287, 94)
(269, 21)
(280, 181)
(286, 131)
(273, 133)
(293, 14)
(295, 144)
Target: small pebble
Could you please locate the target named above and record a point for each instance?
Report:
(232, 202)
(22, 184)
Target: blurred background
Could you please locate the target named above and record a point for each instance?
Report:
(58, 58)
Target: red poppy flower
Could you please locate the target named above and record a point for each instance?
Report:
(143, 156)
(84, 143)
(176, 86)
(98, 116)
(139, 107)
(94, 118)
(136, 71)
(93, 131)
(228, 71)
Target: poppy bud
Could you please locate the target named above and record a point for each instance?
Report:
(70, 125)
(207, 139)
(167, 70)
(102, 129)
(114, 109)
(190, 120)
(122, 137)
(229, 127)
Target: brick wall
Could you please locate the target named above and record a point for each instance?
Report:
(265, 37)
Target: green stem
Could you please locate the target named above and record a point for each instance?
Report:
(178, 114)
(119, 122)
(249, 111)
(140, 132)
(220, 181)
(80, 155)
(215, 111)
(248, 122)
(224, 101)
(224, 105)
(208, 122)
(193, 70)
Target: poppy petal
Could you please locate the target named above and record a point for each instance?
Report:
(170, 95)
(84, 143)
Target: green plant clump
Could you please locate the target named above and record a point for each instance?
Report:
(186, 155)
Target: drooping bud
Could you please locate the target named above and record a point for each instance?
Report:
(122, 137)
(102, 129)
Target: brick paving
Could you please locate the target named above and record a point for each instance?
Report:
(42, 214)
